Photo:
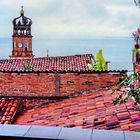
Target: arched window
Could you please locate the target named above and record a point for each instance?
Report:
(26, 45)
(14, 44)
(18, 32)
(24, 32)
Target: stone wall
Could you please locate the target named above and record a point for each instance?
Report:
(54, 84)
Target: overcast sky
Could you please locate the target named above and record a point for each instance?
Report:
(72, 18)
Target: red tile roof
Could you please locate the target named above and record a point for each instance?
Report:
(48, 64)
(8, 109)
(95, 110)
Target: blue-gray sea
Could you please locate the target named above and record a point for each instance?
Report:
(117, 50)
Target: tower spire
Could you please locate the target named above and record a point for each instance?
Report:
(22, 11)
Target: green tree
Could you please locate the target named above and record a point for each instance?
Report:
(99, 64)
(137, 2)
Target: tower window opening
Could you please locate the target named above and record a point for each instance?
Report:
(18, 32)
(27, 32)
(26, 45)
(24, 32)
(26, 49)
(14, 44)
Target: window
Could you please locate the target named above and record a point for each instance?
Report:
(19, 32)
(26, 45)
(89, 83)
(14, 44)
(70, 82)
(24, 32)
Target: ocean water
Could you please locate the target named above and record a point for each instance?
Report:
(117, 50)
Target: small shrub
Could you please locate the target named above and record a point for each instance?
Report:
(131, 86)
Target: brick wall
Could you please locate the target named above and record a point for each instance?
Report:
(75, 83)
(12, 84)
(51, 84)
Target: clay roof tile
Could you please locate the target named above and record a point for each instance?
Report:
(48, 64)
(94, 110)
(7, 112)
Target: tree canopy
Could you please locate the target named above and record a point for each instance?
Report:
(137, 2)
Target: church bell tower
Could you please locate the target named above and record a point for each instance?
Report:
(22, 38)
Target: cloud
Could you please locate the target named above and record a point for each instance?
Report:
(72, 17)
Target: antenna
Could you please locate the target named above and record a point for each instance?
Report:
(47, 53)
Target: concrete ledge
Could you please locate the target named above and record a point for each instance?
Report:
(18, 132)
